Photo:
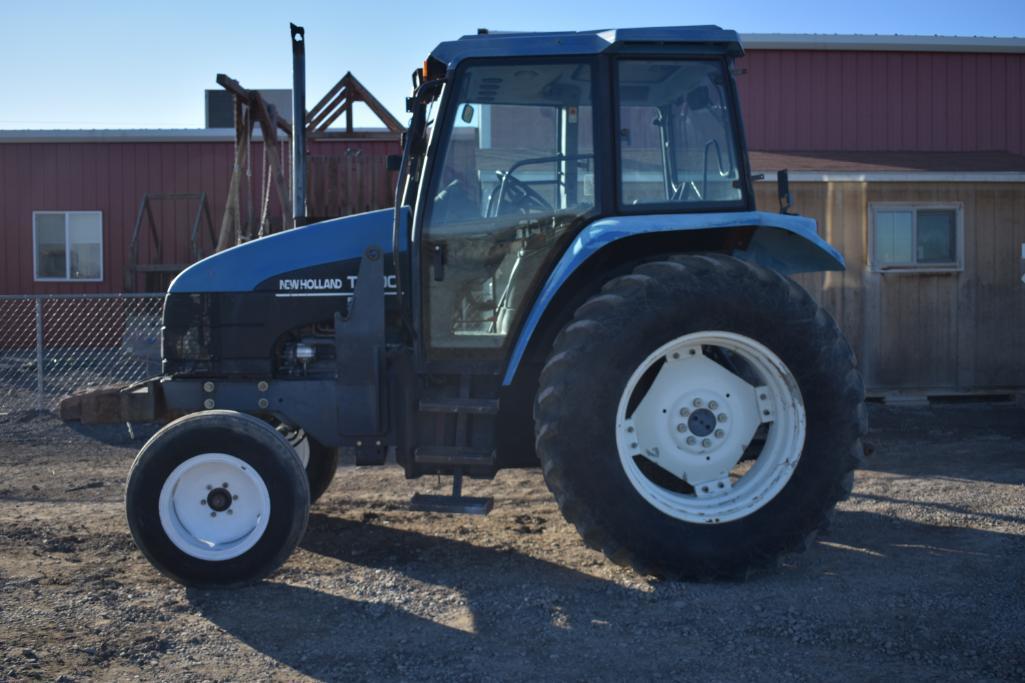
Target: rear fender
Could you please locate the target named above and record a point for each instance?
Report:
(787, 244)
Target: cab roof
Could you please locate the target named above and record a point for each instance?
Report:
(685, 39)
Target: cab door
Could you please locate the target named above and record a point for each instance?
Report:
(514, 177)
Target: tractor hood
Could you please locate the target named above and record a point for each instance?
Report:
(307, 260)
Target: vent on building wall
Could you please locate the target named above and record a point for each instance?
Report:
(220, 114)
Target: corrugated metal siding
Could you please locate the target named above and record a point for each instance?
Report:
(816, 100)
(112, 177)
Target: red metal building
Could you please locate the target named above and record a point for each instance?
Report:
(109, 172)
(827, 95)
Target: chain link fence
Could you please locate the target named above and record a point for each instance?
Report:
(54, 345)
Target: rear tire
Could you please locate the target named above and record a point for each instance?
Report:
(739, 322)
(216, 499)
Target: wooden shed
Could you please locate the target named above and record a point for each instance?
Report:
(947, 322)
(909, 151)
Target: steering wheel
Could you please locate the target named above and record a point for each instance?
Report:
(521, 196)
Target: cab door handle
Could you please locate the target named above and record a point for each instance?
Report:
(438, 262)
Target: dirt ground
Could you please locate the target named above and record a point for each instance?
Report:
(921, 576)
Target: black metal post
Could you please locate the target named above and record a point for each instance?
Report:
(298, 125)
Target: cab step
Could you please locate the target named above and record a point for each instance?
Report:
(454, 456)
(456, 503)
(466, 406)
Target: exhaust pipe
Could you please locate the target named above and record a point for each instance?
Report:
(298, 125)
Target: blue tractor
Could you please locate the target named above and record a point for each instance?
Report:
(574, 276)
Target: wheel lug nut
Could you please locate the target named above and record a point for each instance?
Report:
(213, 514)
(202, 502)
(209, 487)
(235, 497)
(697, 403)
(712, 405)
(719, 433)
(230, 511)
(722, 417)
(706, 442)
(681, 427)
(691, 441)
(224, 485)
(630, 429)
(684, 412)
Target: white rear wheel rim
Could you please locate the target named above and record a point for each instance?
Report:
(214, 506)
(696, 419)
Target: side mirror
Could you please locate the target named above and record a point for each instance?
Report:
(394, 162)
(783, 190)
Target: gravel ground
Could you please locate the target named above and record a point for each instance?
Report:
(921, 576)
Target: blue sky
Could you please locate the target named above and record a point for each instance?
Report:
(139, 64)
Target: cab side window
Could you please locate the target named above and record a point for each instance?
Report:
(676, 142)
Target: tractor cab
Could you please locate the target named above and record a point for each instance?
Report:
(522, 150)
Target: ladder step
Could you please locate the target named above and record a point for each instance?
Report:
(463, 505)
(472, 406)
(454, 456)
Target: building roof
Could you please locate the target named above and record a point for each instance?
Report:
(893, 166)
(516, 44)
(893, 43)
(156, 135)
(889, 161)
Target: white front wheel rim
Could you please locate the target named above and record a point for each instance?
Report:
(696, 419)
(214, 506)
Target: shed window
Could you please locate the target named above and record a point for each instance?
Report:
(918, 237)
(68, 245)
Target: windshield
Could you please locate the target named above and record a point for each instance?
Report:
(676, 140)
(519, 146)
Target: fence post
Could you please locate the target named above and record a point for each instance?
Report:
(39, 353)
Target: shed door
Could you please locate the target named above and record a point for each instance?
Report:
(912, 287)
(914, 342)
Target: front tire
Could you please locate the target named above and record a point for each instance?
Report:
(216, 499)
(721, 424)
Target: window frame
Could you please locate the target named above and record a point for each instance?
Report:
(67, 248)
(746, 200)
(955, 266)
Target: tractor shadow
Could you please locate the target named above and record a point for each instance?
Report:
(473, 620)
(425, 607)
